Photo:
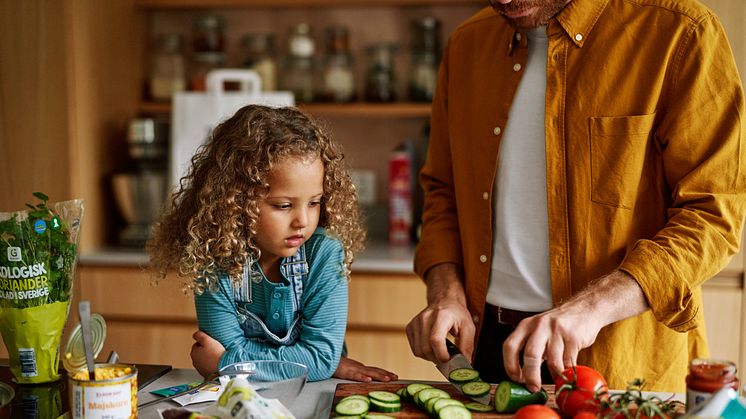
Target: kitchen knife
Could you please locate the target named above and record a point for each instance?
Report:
(458, 360)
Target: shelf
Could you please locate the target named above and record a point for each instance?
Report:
(348, 110)
(212, 4)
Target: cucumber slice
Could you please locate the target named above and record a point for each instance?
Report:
(511, 396)
(374, 416)
(454, 412)
(352, 406)
(402, 392)
(441, 403)
(428, 393)
(357, 396)
(384, 396)
(479, 407)
(463, 375)
(413, 388)
(430, 404)
(384, 407)
(476, 388)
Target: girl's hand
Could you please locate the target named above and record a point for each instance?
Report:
(349, 369)
(206, 353)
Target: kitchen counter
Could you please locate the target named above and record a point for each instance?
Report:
(315, 401)
(377, 257)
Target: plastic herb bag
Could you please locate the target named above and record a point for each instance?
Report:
(38, 254)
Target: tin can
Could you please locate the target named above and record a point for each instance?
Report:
(706, 377)
(113, 395)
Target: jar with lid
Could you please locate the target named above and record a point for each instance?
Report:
(208, 34)
(299, 68)
(338, 81)
(706, 377)
(425, 50)
(167, 73)
(260, 56)
(380, 79)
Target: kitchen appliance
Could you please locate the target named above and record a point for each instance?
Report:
(140, 191)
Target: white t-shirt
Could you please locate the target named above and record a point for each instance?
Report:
(520, 277)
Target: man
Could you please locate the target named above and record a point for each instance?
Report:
(584, 178)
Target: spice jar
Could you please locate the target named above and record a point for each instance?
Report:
(167, 74)
(298, 73)
(208, 34)
(706, 377)
(425, 50)
(338, 82)
(380, 80)
(260, 57)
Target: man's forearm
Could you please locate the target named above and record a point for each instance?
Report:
(444, 281)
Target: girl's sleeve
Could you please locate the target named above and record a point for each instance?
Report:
(323, 324)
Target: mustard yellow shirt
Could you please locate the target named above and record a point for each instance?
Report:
(645, 166)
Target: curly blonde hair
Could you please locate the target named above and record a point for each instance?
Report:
(210, 225)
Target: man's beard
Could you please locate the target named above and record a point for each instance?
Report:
(544, 10)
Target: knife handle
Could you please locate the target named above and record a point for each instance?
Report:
(452, 348)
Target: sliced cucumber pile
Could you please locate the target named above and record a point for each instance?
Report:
(511, 396)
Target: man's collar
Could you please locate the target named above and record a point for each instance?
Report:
(578, 18)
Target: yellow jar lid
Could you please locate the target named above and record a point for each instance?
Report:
(74, 357)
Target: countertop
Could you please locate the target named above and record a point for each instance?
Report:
(377, 257)
(314, 401)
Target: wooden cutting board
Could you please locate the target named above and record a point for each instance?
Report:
(408, 408)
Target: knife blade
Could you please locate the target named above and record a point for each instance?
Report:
(458, 360)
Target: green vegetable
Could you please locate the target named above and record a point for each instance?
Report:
(38, 250)
(511, 396)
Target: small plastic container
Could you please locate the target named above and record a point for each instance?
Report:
(706, 377)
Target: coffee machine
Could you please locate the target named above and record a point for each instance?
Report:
(141, 191)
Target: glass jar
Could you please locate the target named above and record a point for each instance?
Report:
(208, 36)
(260, 57)
(167, 74)
(706, 377)
(425, 59)
(338, 81)
(299, 69)
(380, 79)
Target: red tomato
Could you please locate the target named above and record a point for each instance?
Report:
(585, 415)
(536, 411)
(575, 390)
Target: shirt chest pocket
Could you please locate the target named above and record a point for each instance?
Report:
(618, 147)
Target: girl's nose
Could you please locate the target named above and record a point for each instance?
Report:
(301, 218)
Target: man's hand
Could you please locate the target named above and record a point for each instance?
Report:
(206, 353)
(556, 336)
(349, 369)
(445, 313)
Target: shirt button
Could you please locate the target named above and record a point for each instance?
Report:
(485, 195)
(277, 295)
(518, 37)
(497, 131)
(475, 318)
(517, 67)
(578, 37)
(483, 258)
(276, 316)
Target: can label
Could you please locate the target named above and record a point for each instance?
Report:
(114, 398)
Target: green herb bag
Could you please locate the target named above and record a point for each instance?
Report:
(38, 255)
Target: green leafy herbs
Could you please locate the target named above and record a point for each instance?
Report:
(37, 256)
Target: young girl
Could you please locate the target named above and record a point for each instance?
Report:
(265, 226)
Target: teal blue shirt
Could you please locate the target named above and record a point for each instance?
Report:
(323, 305)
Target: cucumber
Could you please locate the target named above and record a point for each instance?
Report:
(441, 403)
(511, 396)
(454, 412)
(384, 407)
(476, 388)
(384, 396)
(402, 392)
(351, 406)
(357, 396)
(430, 404)
(463, 375)
(428, 393)
(479, 407)
(413, 388)
(375, 416)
